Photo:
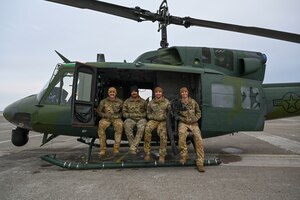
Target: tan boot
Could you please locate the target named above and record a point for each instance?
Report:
(116, 149)
(183, 160)
(102, 152)
(147, 157)
(200, 168)
(133, 150)
(161, 160)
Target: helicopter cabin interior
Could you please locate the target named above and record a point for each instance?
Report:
(91, 89)
(146, 81)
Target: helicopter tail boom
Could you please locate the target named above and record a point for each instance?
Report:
(283, 100)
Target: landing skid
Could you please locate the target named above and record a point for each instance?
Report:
(122, 160)
(124, 164)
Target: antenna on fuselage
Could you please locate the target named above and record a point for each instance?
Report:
(66, 60)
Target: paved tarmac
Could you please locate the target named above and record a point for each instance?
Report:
(255, 165)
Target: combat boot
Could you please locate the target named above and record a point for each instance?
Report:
(200, 168)
(133, 150)
(102, 152)
(183, 160)
(147, 157)
(161, 160)
(116, 149)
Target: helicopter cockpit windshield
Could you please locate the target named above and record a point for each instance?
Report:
(60, 94)
(43, 90)
(58, 89)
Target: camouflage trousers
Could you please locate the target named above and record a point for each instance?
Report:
(183, 129)
(103, 125)
(129, 124)
(162, 133)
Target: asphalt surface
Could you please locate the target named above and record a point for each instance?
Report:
(255, 165)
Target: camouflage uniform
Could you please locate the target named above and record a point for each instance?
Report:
(134, 110)
(110, 111)
(156, 113)
(188, 120)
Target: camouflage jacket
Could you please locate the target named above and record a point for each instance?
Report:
(192, 113)
(134, 108)
(157, 109)
(110, 109)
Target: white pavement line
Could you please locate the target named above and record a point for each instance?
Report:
(266, 161)
(5, 141)
(5, 131)
(283, 125)
(7, 123)
(280, 142)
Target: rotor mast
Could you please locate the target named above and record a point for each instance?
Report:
(162, 26)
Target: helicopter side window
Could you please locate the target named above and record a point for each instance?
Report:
(223, 96)
(250, 98)
(206, 58)
(224, 58)
(67, 84)
(145, 94)
(83, 92)
(61, 93)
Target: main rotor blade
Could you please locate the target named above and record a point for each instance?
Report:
(121, 11)
(139, 15)
(280, 35)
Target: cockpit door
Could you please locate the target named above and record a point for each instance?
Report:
(83, 99)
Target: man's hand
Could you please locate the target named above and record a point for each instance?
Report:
(194, 119)
(108, 115)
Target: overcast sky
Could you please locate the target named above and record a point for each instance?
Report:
(31, 30)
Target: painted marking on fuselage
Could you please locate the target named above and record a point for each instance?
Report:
(290, 102)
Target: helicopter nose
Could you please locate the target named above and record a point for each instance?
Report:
(9, 112)
(20, 112)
